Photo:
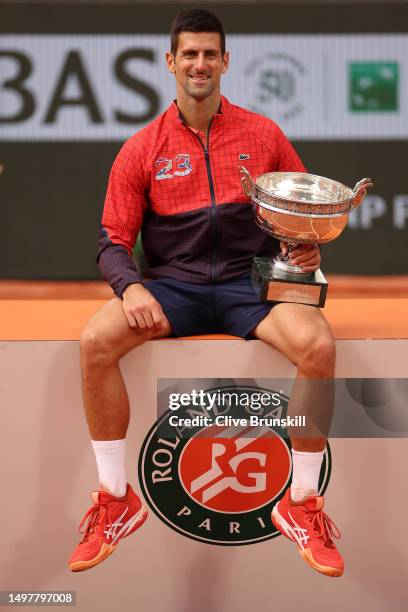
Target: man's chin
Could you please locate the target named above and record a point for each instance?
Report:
(198, 94)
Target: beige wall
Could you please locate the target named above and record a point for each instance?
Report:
(47, 471)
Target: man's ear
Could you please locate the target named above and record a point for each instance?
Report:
(171, 66)
(225, 62)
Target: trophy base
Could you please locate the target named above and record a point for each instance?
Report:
(272, 287)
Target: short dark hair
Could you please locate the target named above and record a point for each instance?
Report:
(196, 20)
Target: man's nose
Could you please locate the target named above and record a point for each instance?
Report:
(200, 62)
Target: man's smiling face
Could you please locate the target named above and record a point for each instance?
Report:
(198, 63)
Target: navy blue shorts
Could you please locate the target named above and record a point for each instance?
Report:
(230, 307)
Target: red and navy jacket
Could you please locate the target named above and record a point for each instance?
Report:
(184, 193)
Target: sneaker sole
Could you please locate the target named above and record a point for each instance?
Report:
(81, 566)
(305, 553)
(107, 549)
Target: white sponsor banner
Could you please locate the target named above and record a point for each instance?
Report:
(106, 87)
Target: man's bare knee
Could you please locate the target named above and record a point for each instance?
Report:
(101, 344)
(107, 337)
(317, 359)
(95, 348)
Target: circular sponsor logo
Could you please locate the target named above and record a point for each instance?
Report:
(217, 479)
(277, 81)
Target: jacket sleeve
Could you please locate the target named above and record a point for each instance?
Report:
(124, 207)
(288, 159)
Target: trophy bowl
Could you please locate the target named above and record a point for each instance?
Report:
(298, 208)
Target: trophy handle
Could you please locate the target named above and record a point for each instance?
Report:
(247, 183)
(359, 192)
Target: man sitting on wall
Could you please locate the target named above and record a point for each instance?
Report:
(177, 181)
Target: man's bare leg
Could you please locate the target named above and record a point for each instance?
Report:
(105, 339)
(304, 336)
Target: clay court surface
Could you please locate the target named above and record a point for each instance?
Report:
(356, 308)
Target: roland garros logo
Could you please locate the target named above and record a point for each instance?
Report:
(217, 478)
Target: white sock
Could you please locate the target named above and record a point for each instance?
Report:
(110, 459)
(305, 477)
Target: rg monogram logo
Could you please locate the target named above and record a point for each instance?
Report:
(234, 482)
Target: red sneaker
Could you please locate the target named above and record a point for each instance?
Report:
(107, 521)
(306, 524)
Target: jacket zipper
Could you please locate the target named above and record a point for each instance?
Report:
(212, 193)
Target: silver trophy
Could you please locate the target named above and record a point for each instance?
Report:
(297, 208)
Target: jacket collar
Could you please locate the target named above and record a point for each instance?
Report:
(219, 118)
